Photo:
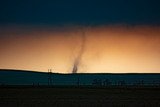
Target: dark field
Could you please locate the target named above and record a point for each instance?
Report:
(121, 96)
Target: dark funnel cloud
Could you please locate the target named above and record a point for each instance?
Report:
(80, 53)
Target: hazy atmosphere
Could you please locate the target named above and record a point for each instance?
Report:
(103, 49)
(80, 53)
(80, 36)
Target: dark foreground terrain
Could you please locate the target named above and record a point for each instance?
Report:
(43, 96)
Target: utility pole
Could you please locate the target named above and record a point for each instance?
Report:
(49, 77)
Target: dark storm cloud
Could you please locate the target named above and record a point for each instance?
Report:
(57, 12)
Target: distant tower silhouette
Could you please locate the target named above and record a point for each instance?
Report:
(49, 76)
(121, 83)
(97, 82)
(107, 82)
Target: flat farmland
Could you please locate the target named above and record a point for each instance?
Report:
(61, 96)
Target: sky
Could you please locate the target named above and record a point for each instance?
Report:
(86, 12)
(96, 36)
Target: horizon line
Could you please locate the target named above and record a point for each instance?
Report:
(21, 70)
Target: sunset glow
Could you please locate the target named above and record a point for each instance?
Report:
(108, 49)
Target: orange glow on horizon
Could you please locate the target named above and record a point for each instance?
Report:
(108, 49)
